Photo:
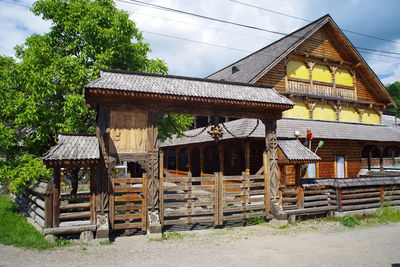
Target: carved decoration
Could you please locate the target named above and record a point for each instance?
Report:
(216, 132)
(272, 150)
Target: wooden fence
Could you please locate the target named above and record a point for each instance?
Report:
(349, 194)
(37, 203)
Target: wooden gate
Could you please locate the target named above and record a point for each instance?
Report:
(216, 199)
(128, 208)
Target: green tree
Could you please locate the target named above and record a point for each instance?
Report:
(41, 95)
(394, 90)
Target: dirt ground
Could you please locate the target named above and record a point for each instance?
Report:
(304, 244)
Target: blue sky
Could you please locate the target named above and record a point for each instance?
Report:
(375, 18)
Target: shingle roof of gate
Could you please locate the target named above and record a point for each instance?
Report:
(185, 86)
(74, 147)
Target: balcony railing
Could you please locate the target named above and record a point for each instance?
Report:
(318, 89)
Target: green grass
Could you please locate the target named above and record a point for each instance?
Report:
(16, 231)
(350, 221)
(388, 214)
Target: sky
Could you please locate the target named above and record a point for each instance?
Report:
(197, 47)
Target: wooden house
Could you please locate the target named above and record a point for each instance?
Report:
(337, 96)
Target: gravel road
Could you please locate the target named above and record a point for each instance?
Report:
(305, 244)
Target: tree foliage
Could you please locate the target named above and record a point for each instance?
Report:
(41, 93)
(394, 90)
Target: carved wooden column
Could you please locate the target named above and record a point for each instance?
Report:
(381, 148)
(152, 160)
(310, 65)
(333, 72)
(271, 143)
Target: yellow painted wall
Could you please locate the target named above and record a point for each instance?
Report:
(299, 111)
(370, 117)
(297, 69)
(324, 112)
(321, 73)
(349, 114)
(343, 77)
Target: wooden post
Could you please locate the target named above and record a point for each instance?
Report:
(382, 194)
(381, 159)
(216, 196)
(48, 209)
(190, 150)
(56, 197)
(247, 157)
(339, 199)
(201, 150)
(393, 156)
(92, 195)
(299, 187)
(220, 198)
(369, 159)
(161, 187)
(221, 151)
(144, 203)
(266, 184)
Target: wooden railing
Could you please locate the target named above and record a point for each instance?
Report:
(319, 89)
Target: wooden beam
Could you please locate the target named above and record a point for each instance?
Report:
(56, 197)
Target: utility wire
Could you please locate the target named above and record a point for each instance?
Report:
(223, 21)
(303, 19)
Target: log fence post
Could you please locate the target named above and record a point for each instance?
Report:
(56, 197)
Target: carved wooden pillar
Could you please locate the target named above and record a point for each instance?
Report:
(201, 150)
(152, 160)
(247, 157)
(271, 148)
(310, 65)
(333, 72)
(369, 159)
(166, 158)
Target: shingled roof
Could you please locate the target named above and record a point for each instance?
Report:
(295, 151)
(287, 127)
(186, 87)
(74, 147)
(255, 63)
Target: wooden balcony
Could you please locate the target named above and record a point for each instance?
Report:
(320, 89)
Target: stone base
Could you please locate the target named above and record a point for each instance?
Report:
(154, 222)
(102, 233)
(278, 223)
(157, 236)
(103, 229)
(355, 212)
(50, 238)
(292, 218)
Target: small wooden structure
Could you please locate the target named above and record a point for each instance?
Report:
(73, 213)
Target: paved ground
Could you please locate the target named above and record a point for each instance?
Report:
(306, 244)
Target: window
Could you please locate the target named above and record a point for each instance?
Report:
(311, 170)
(340, 166)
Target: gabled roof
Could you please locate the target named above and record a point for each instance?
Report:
(295, 151)
(267, 57)
(183, 87)
(251, 68)
(74, 147)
